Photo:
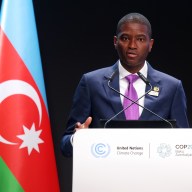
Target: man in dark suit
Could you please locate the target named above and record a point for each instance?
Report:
(95, 100)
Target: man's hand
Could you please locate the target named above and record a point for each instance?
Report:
(86, 124)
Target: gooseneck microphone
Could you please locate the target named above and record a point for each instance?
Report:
(110, 79)
(144, 79)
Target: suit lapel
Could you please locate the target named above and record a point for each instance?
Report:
(150, 99)
(113, 96)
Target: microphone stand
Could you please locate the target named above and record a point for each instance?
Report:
(134, 102)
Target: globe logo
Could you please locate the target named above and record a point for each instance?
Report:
(164, 150)
(100, 150)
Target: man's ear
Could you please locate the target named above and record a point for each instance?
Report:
(115, 41)
(151, 44)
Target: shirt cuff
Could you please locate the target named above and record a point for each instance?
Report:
(71, 139)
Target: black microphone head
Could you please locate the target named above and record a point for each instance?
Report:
(143, 78)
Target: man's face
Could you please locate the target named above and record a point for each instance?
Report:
(133, 45)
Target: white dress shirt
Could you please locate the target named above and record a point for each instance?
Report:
(139, 84)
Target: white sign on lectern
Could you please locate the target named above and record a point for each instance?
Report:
(132, 160)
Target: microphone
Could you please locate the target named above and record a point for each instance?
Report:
(110, 79)
(144, 78)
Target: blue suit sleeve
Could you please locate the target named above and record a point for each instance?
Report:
(179, 107)
(80, 110)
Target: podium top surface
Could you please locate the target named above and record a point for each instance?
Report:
(170, 123)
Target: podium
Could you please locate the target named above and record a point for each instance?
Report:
(132, 160)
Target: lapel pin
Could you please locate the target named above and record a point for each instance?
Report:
(154, 91)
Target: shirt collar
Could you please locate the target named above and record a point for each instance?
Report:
(123, 72)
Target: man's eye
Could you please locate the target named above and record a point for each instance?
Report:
(124, 38)
(140, 39)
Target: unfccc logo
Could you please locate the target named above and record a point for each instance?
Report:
(100, 150)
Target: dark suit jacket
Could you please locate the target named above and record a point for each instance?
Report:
(94, 98)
